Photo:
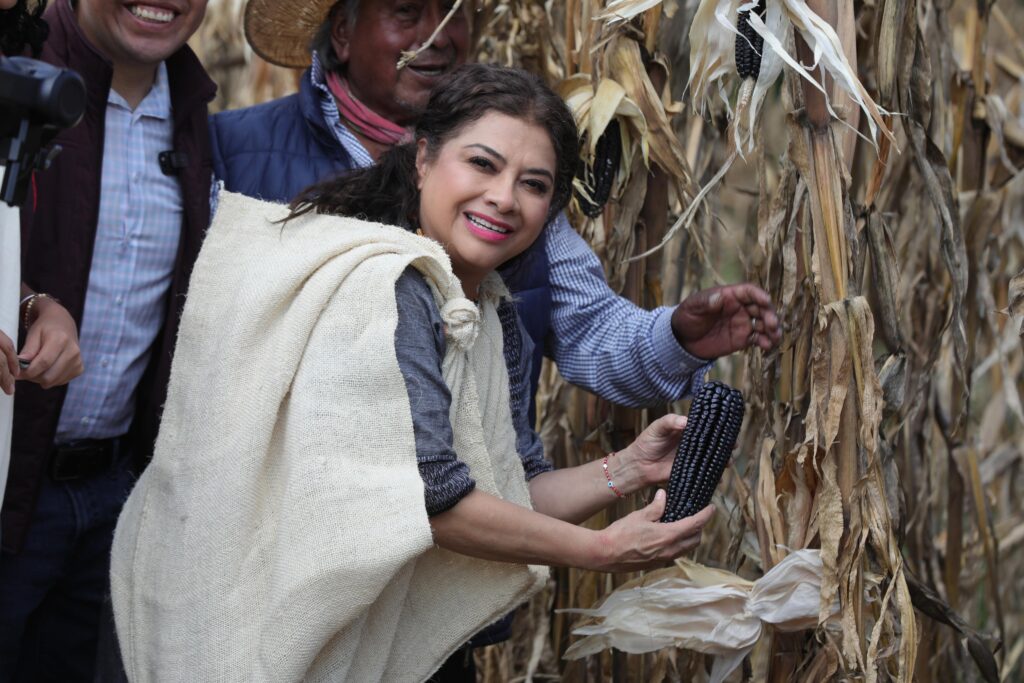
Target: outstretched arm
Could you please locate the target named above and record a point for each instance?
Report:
(487, 527)
(634, 357)
(604, 343)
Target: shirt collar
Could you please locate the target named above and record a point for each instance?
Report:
(329, 107)
(316, 73)
(157, 102)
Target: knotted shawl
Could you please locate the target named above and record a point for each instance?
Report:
(280, 532)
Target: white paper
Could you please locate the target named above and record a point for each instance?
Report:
(10, 288)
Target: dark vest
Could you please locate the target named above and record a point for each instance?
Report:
(57, 242)
(274, 150)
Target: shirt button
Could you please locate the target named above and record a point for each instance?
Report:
(105, 362)
(119, 299)
(85, 420)
(135, 176)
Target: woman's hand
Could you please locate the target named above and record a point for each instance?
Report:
(639, 541)
(573, 494)
(8, 364)
(52, 346)
(651, 455)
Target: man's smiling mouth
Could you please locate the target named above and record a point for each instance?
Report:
(149, 13)
(427, 69)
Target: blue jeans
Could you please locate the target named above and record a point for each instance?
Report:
(51, 593)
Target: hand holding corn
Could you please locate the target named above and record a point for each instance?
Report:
(640, 541)
(574, 494)
(722, 320)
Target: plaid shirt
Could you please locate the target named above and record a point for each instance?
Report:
(136, 245)
(599, 341)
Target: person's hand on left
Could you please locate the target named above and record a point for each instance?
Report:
(52, 346)
(8, 364)
(722, 320)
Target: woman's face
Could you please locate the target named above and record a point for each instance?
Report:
(485, 196)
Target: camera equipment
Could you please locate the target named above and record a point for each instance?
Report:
(37, 101)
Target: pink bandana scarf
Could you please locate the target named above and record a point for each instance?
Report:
(366, 122)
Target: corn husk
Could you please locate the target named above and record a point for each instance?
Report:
(704, 609)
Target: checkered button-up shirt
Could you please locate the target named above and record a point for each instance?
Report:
(136, 245)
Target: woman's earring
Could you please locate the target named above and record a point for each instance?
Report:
(414, 224)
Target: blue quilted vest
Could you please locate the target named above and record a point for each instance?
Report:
(274, 150)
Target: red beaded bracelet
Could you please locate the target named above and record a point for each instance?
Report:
(608, 476)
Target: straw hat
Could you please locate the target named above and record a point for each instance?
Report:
(280, 32)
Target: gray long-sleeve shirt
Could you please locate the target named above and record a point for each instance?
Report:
(420, 347)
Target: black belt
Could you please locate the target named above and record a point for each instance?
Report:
(84, 459)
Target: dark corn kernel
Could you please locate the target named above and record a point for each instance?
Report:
(715, 418)
(749, 45)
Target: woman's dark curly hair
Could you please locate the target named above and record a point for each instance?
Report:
(21, 28)
(387, 192)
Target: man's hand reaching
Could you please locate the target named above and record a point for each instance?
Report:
(722, 320)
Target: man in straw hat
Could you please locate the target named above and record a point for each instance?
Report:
(354, 103)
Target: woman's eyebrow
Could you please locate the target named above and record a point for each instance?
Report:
(499, 157)
(492, 152)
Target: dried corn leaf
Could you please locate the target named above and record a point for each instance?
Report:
(930, 603)
(611, 101)
(770, 531)
(1016, 295)
(712, 50)
(886, 278)
(626, 66)
(620, 11)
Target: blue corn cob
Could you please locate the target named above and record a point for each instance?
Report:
(748, 44)
(715, 418)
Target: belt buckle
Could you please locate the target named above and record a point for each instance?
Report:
(75, 461)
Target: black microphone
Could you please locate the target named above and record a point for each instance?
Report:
(172, 162)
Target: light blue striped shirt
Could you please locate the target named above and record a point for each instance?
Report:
(598, 340)
(136, 245)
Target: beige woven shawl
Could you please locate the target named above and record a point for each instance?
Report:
(280, 532)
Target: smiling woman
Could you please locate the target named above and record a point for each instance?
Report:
(486, 194)
(361, 491)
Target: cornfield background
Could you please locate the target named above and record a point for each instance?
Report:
(888, 429)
